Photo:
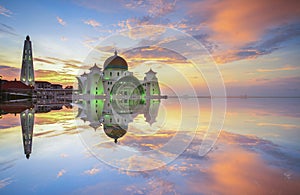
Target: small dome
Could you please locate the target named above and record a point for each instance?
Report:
(115, 62)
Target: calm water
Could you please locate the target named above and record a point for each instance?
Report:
(258, 151)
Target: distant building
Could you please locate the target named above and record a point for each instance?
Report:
(42, 85)
(15, 90)
(56, 86)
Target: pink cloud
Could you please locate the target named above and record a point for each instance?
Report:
(5, 12)
(92, 23)
(61, 21)
(5, 182)
(237, 22)
(92, 171)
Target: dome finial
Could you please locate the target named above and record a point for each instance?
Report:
(116, 53)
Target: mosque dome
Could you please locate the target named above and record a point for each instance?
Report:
(114, 131)
(115, 62)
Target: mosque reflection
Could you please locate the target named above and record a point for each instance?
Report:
(115, 115)
(27, 110)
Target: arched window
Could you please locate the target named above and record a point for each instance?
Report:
(110, 73)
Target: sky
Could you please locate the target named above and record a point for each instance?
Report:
(255, 44)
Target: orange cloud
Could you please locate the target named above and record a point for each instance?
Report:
(55, 77)
(285, 126)
(153, 53)
(285, 68)
(43, 60)
(233, 55)
(238, 171)
(10, 73)
(237, 22)
(61, 173)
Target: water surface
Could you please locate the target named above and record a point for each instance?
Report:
(258, 151)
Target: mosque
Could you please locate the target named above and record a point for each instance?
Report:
(113, 97)
(115, 81)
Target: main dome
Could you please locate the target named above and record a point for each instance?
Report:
(115, 62)
(114, 131)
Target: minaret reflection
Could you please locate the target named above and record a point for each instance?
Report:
(27, 110)
(27, 123)
(116, 114)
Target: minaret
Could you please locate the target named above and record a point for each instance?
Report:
(27, 72)
(27, 122)
(151, 82)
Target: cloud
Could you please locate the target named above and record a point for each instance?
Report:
(236, 22)
(64, 155)
(92, 171)
(284, 68)
(44, 133)
(10, 73)
(92, 23)
(61, 21)
(7, 29)
(273, 40)
(63, 60)
(68, 63)
(285, 126)
(10, 120)
(111, 6)
(55, 77)
(5, 12)
(5, 182)
(61, 173)
(63, 38)
(237, 160)
(43, 60)
(153, 53)
(244, 170)
(154, 8)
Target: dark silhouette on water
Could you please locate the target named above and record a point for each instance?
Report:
(27, 110)
(27, 123)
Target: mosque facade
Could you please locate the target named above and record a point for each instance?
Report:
(115, 81)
